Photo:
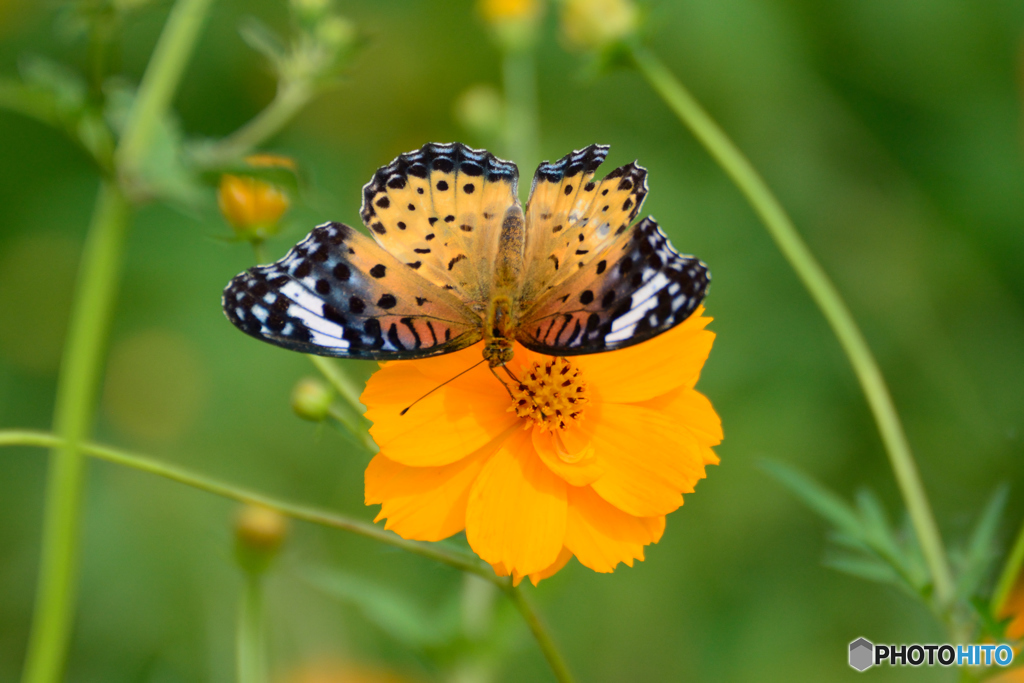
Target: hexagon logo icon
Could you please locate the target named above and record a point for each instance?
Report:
(862, 654)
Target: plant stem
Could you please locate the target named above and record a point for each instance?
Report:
(249, 646)
(355, 426)
(432, 551)
(98, 278)
(160, 81)
(451, 557)
(92, 310)
(520, 81)
(540, 633)
(824, 293)
(1011, 572)
(342, 383)
(289, 101)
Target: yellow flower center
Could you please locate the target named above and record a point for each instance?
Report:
(552, 395)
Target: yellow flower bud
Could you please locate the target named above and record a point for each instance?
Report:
(513, 22)
(252, 206)
(595, 24)
(494, 11)
(481, 110)
(311, 399)
(259, 533)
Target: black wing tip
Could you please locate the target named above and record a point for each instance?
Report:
(585, 160)
(445, 156)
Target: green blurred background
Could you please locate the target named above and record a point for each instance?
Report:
(892, 132)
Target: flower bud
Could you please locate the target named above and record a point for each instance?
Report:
(336, 32)
(480, 110)
(513, 22)
(311, 399)
(596, 24)
(311, 11)
(253, 206)
(259, 533)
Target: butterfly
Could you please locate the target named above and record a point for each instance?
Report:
(454, 259)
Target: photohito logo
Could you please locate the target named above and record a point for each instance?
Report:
(864, 654)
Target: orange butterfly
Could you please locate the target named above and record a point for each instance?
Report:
(455, 259)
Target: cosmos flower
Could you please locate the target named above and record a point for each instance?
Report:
(582, 456)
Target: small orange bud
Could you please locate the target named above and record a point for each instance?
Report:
(494, 11)
(252, 206)
(513, 22)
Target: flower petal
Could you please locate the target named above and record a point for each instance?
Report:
(550, 446)
(657, 366)
(600, 535)
(517, 509)
(443, 427)
(563, 558)
(423, 503)
(648, 460)
(693, 410)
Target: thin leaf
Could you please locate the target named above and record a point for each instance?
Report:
(815, 496)
(981, 552)
(393, 613)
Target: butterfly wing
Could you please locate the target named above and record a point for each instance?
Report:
(337, 293)
(637, 288)
(571, 218)
(439, 210)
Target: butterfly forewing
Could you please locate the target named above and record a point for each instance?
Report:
(583, 281)
(439, 210)
(632, 292)
(337, 293)
(573, 218)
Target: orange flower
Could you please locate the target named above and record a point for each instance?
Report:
(586, 458)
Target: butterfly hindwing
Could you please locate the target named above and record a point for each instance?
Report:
(439, 209)
(572, 218)
(638, 288)
(337, 293)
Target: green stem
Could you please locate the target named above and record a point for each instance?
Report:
(521, 127)
(432, 551)
(250, 651)
(98, 278)
(1011, 572)
(289, 101)
(342, 383)
(451, 557)
(540, 633)
(160, 82)
(824, 293)
(355, 426)
(92, 310)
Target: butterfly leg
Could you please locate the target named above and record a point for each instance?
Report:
(503, 383)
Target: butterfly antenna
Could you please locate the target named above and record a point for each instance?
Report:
(447, 381)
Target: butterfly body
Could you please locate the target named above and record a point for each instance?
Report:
(455, 259)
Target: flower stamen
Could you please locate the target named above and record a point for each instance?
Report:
(550, 395)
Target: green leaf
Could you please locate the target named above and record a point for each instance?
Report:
(163, 173)
(393, 613)
(815, 496)
(981, 551)
(68, 88)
